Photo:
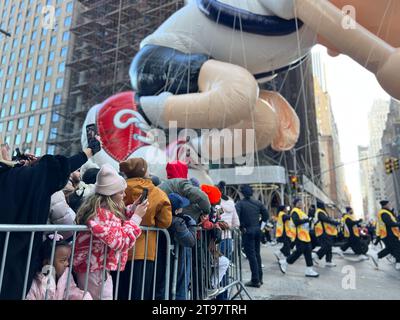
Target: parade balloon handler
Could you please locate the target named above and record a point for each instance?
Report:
(303, 240)
(352, 236)
(283, 233)
(388, 230)
(53, 277)
(26, 189)
(202, 69)
(326, 232)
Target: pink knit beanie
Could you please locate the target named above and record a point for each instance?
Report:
(109, 182)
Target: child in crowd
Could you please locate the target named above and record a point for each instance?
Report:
(53, 278)
(114, 228)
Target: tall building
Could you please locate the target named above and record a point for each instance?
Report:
(33, 75)
(332, 169)
(364, 164)
(376, 124)
(107, 35)
(391, 149)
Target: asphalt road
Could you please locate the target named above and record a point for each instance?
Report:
(350, 280)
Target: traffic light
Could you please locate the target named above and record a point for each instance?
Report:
(389, 166)
(396, 165)
(293, 181)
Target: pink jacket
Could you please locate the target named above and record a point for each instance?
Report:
(40, 282)
(111, 232)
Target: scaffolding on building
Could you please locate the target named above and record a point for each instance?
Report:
(106, 36)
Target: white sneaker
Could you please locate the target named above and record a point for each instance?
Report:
(310, 272)
(363, 257)
(375, 259)
(330, 264)
(283, 265)
(315, 258)
(278, 254)
(397, 266)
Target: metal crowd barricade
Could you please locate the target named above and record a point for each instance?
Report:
(214, 269)
(75, 229)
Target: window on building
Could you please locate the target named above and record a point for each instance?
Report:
(70, 7)
(28, 138)
(53, 133)
(35, 89)
(1, 127)
(20, 123)
(59, 83)
(47, 86)
(42, 119)
(33, 105)
(5, 98)
(34, 34)
(61, 67)
(49, 71)
(38, 152)
(30, 63)
(31, 122)
(17, 139)
(20, 67)
(42, 44)
(45, 103)
(67, 21)
(10, 70)
(57, 99)
(55, 117)
(53, 41)
(32, 49)
(8, 140)
(51, 55)
(22, 109)
(64, 52)
(51, 149)
(3, 112)
(12, 110)
(8, 84)
(27, 77)
(38, 75)
(36, 21)
(40, 60)
(25, 93)
(22, 53)
(66, 36)
(15, 95)
(40, 135)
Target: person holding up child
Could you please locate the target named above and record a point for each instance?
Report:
(53, 276)
(115, 229)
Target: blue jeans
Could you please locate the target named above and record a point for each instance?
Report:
(184, 271)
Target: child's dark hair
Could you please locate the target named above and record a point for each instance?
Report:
(46, 248)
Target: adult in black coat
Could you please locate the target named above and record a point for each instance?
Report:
(250, 211)
(25, 191)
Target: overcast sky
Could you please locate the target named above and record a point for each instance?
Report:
(353, 91)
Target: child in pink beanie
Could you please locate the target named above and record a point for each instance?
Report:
(114, 228)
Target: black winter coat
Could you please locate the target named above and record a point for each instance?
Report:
(25, 199)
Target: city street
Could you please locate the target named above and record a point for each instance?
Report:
(369, 283)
